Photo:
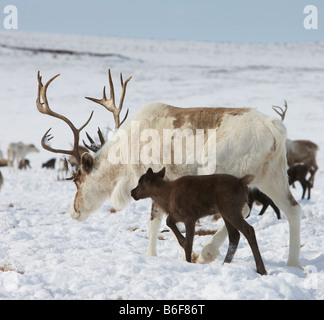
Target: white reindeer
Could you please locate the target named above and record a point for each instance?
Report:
(247, 141)
(18, 151)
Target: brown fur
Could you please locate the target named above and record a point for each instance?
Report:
(190, 198)
(203, 117)
(3, 162)
(24, 164)
(50, 164)
(299, 173)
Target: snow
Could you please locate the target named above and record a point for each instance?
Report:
(44, 254)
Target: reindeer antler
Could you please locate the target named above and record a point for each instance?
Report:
(110, 104)
(93, 146)
(282, 113)
(45, 109)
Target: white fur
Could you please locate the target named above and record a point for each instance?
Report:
(246, 143)
(154, 226)
(120, 196)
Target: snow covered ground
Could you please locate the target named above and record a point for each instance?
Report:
(44, 254)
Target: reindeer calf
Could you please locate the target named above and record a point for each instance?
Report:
(190, 198)
(24, 164)
(299, 172)
(50, 164)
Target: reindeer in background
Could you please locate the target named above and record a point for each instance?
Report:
(18, 151)
(300, 151)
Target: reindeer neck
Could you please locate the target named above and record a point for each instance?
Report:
(160, 194)
(110, 175)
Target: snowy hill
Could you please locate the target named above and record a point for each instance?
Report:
(52, 256)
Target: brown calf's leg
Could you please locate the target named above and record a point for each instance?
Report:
(185, 242)
(234, 238)
(237, 220)
(190, 233)
(309, 190)
(171, 223)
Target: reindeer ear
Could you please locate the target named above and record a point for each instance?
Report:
(161, 173)
(86, 162)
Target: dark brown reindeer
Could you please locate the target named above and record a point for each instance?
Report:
(50, 164)
(190, 198)
(299, 172)
(24, 164)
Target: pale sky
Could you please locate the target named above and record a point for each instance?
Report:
(252, 21)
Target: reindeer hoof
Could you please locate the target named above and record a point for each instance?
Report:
(194, 257)
(207, 255)
(262, 272)
(294, 264)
